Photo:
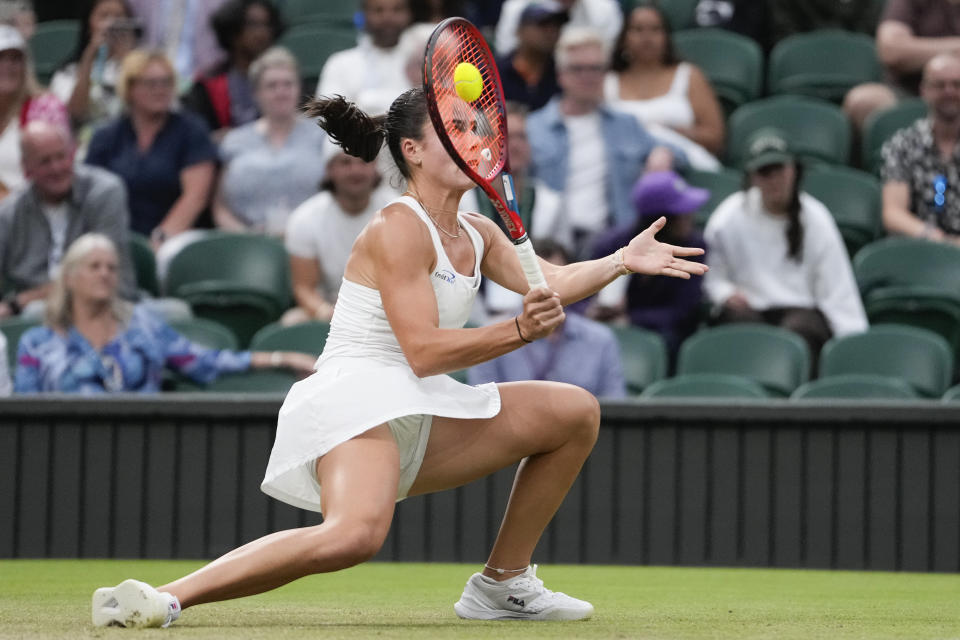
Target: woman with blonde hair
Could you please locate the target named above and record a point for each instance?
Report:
(94, 342)
(21, 101)
(272, 164)
(165, 157)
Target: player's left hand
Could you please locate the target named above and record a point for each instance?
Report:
(647, 255)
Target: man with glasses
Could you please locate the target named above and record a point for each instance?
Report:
(590, 153)
(921, 163)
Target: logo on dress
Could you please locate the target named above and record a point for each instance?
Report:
(445, 274)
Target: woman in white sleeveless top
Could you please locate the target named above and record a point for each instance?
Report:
(380, 420)
(672, 99)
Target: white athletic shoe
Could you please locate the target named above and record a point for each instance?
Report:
(520, 598)
(133, 604)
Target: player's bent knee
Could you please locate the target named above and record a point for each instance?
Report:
(585, 415)
(348, 544)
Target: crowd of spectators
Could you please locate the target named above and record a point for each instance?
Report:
(176, 116)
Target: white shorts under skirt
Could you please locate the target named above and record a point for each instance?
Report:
(347, 396)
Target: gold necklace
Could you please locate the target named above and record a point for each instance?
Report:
(434, 220)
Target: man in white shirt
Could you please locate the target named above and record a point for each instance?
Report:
(776, 255)
(321, 232)
(61, 202)
(371, 74)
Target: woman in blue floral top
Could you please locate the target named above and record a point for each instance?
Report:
(95, 342)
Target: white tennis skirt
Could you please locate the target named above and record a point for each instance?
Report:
(347, 396)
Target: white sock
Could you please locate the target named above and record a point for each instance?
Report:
(173, 608)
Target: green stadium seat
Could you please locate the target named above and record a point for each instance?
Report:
(308, 337)
(311, 45)
(952, 394)
(680, 13)
(705, 385)
(881, 126)
(733, 63)
(917, 306)
(773, 357)
(12, 329)
(817, 130)
(239, 280)
(853, 197)
(822, 64)
(855, 385)
(643, 354)
(900, 261)
(144, 264)
(207, 333)
(338, 13)
(917, 356)
(253, 381)
(720, 184)
(51, 45)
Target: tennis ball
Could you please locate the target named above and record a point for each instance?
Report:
(467, 81)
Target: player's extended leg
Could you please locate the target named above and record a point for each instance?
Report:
(359, 479)
(551, 427)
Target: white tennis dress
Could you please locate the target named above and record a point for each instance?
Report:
(363, 380)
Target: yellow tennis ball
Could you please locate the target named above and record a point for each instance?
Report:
(467, 81)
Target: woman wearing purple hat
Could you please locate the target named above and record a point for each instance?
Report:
(669, 308)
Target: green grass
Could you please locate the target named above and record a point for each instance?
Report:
(51, 599)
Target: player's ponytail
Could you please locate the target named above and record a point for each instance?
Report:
(357, 133)
(362, 135)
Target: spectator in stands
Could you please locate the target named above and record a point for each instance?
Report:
(372, 73)
(63, 201)
(528, 73)
(581, 352)
(435, 11)
(747, 17)
(587, 151)
(20, 15)
(322, 230)
(164, 157)
(605, 16)
(672, 99)
(673, 310)
(95, 342)
(921, 182)
(182, 30)
(87, 83)
(911, 32)
(776, 255)
(6, 385)
(21, 102)
(224, 96)
(273, 164)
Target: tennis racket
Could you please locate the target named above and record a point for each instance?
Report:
(474, 133)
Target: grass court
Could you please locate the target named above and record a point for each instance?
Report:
(51, 599)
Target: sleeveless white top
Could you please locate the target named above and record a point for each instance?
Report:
(363, 379)
(659, 114)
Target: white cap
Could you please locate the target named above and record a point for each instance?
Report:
(10, 38)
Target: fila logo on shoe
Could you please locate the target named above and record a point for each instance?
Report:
(520, 603)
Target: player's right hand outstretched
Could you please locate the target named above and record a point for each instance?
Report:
(542, 314)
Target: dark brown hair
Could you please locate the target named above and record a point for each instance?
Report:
(362, 135)
(619, 60)
(794, 225)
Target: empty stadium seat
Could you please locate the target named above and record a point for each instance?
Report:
(822, 64)
(952, 394)
(239, 280)
(857, 386)
(307, 337)
(12, 329)
(644, 357)
(816, 129)
(733, 63)
(207, 333)
(253, 381)
(144, 264)
(51, 45)
(339, 13)
(773, 357)
(881, 125)
(720, 184)
(853, 197)
(311, 45)
(705, 385)
(679, 13)
(917, 356)
(902, 261)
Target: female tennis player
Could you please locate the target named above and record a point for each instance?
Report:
(379, 421)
